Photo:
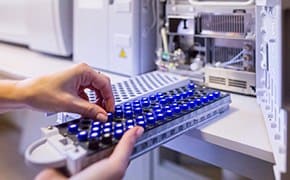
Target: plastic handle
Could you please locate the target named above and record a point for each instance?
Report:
(222, 3)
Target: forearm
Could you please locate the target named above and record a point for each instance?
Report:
(11, 96)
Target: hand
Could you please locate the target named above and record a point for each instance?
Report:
(113, 167)
(63, 92)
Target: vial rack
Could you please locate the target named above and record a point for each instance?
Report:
(164, 115)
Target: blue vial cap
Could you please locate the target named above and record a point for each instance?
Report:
(163, 101)
(95, 135)
(140, 118)
(110, 116)
(96, 124)
(119, 113)
(151, 120)
(174, 105)
(127, 108)
(192, 104)
(118, 108)
(127, 104)
(210, 97)
(217, 94)
(107, 130)
(170, 99)
(149, 114)
(73, 128)
(118, 126)
(204, 99)
(157, 111)
(152, 98)
(136, 102)
(169, 113)
(145, 99)
(145, 103)
(96, 129)
(184, 95)
(128, 114)
(190, 92)
(82, 136)
(160, 97)
(176, 110)
(156, 107)
(129, 127)
(159, 94)
(198, 102)
(177, 97)
(184, 107)
(138, 111)
(142, 124)
(108, 125)
(191, 85)
(167, 108)
(130, 122)
(118, 134)
(136, 105)
(160, 117)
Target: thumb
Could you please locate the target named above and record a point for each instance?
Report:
(123, 150)
(87, 109)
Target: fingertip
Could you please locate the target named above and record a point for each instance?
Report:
(102, 117)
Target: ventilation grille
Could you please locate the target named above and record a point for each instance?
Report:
(222, 54)
(223, 23)
(238, 83)
(217, 80)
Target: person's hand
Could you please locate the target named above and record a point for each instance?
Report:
(113, 167)
(63, 92)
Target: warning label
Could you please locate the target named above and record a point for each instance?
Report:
(122, 53)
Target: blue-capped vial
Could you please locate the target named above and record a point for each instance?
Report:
(138, 111)
(127, 108)
(119, 113)
(177, 97)
(149, 114)
(156, 107)
(160, 97)
(108, 125)
(152, 98)
(170, 99)
(96, 129)
(118, 107)
(145, 104)
(190, 92)
(136, 102)
(140, 118)
(107, 130)
(210, 97)
(110, 116)
(198, 102)
(191, 85)
(128, 114)
(96, 124)
(118, 133)
(118, 126)
(160, 117)
(73, 129)
(204, 99)
(141, 123)
(167, 108)
(136, 105)
(129, 127)
(129, 122)
(174, 105)
(95, 135)
(163, 102)
(192, 104)
(184, 107)
(157, 111)
(217, 94)
(144, 99)
(176, 110)
(184, 95)
(159, 94)
(168, 113)
(82, 136)
(151, 120)
(127, 104)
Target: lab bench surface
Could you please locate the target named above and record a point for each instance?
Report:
(241, 130)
